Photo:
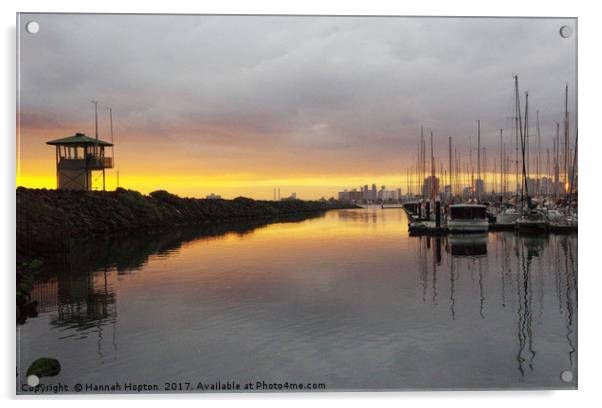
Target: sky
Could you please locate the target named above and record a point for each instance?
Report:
(240, 105)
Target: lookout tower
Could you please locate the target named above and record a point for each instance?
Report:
(77, 157)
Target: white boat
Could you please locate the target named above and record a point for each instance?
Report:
(562, 221)
(507, 217)
(533, 221)
(467, 218)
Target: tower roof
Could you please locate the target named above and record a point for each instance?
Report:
(79, 139)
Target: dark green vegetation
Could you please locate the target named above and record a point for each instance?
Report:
(48, 221)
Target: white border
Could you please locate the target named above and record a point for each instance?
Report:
(589, 152)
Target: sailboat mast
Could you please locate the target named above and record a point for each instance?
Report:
(478, 160)
(516, 133)
(526, 153)
(557, 163)
(433, 190)
(573, 170)
(421, 159)
(471, 169)
(502, 163)
(566, 136)
(524, 137)
(538, 162)
(494, 183)
(548, 172)
(520, 130)
(451, 190)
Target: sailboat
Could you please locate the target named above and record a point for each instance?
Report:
(531, 219)
(507, 217)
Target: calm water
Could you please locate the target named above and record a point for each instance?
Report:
(347, 299)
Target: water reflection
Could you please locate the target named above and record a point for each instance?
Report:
(467, 245)
(534, 258)
(346, 298)
(79, 286)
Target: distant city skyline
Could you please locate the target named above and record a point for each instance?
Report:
(240, 105)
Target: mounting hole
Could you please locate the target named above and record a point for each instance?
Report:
(33, 380)
(32, 27)
(566, 31)
(566, 376)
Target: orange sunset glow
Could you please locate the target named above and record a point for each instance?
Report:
(300, 109)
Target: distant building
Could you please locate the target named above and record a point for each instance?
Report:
(293, 196)
(467, 193)
(213, 197)
(479, 187)
(546, 185)
(531, 186)
(446, 192)
(366, 194)
(353, 195)
(391, 195)
(427, 186)
(343, 195)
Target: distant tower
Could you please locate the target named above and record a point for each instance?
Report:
(77, 157)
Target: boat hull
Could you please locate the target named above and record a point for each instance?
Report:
(507, 219)
(532, 227)
(468, 225)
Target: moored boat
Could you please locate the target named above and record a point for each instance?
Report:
(533, 221)
(467, 218)
(506, 218)
(562, 223)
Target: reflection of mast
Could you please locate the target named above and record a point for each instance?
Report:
(570, 284)
(452, 280)
(481, 296)
(521, 333)
(422, 267)
(525, 314)
(504, 268)
(436, 261)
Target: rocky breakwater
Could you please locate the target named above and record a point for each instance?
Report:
(48, 220)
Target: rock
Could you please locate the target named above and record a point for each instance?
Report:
(44, 367)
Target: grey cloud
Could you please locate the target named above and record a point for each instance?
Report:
(362, 86)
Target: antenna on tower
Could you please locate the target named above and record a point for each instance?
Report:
(108, 108)
(110, 120)
(95, 103)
